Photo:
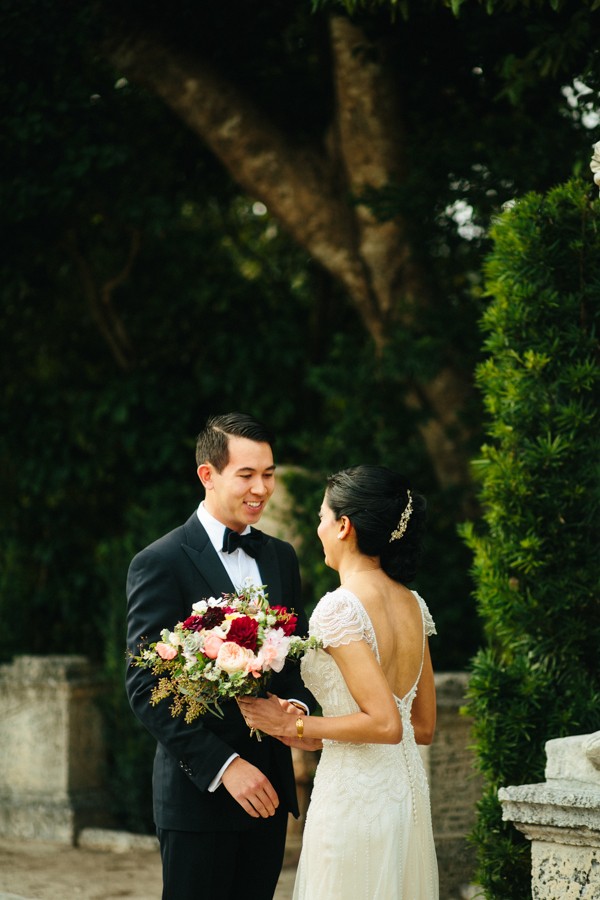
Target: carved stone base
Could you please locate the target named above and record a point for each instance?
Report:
(565, 871)
(561, 818)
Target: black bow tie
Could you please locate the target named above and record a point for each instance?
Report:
(250, 543)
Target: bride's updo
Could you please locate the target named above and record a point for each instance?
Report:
(387, 515)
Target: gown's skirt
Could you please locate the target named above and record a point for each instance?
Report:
(368, 832)
(363, 839)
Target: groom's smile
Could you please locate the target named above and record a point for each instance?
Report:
(238, 494)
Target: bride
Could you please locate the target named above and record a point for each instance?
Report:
(368, 832)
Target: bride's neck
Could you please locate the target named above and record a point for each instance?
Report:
(358, 567)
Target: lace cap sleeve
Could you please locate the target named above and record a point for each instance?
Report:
(427, 617)
(337, 619)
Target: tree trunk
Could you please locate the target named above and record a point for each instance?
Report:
(315, 193)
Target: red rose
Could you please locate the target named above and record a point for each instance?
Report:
(243, 632)
(286, 620)
(280, 611)
(289, 626)
(193, 623)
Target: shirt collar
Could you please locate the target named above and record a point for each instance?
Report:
(214, 529)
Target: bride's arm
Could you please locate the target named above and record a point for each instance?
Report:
(423, 712)
(377, 722)
(301, 743)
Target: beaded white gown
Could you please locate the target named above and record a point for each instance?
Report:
(368, 832)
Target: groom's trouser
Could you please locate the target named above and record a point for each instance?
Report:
(224, 864)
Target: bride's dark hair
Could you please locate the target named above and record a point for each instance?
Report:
(374, 499)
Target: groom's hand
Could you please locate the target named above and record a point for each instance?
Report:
(251, 788)
(291, 707)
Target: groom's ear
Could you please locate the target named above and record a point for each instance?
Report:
(205, 475)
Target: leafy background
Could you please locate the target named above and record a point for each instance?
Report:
(142, 290)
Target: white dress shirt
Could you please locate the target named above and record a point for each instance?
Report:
(241, 568)
(239, 565)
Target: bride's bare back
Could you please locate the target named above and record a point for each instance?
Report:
(396, 618)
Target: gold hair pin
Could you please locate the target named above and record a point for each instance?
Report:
(403, 523)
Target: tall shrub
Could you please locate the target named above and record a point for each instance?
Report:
(535, 549)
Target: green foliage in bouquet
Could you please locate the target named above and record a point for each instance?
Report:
(535, 551)
(226, 648)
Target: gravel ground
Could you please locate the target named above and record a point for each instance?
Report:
(106, 866)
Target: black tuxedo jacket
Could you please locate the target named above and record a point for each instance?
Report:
(163, 582)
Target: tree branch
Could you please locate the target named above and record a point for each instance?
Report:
(303, 190)
(371, 145)
(295, 183)
(108, 321)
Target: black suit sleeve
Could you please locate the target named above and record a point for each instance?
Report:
(156, 600)
(162, 584)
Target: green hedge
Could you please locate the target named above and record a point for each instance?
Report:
(536, 548)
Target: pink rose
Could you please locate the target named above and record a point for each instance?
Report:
(274, 650)
(233, 658)
(267, 655)
(254, 666)
(212, 645)
(166, 651)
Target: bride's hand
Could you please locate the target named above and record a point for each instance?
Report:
(269, 716)
(301, 743)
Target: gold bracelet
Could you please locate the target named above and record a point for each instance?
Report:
(300, 727)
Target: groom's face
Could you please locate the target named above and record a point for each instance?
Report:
(238, 494)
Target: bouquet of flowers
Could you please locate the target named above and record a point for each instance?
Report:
(226, 648)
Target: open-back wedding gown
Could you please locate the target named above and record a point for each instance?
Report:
(368, 832)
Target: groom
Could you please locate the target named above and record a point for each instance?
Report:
(221, 797)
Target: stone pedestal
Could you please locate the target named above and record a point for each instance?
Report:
(51, 748)
(561, 817)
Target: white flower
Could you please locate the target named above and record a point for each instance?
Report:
(595, 164)
(200, 607)
(170, 637)
(212, 601)
(274, 650)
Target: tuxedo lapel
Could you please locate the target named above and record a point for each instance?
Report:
(206, 560)
(270, 573)
(204, 557)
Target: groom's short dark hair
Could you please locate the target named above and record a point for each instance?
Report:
(212, 444)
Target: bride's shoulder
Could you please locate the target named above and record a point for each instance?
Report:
(427, 617)
(337, 613)
(340, 598)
